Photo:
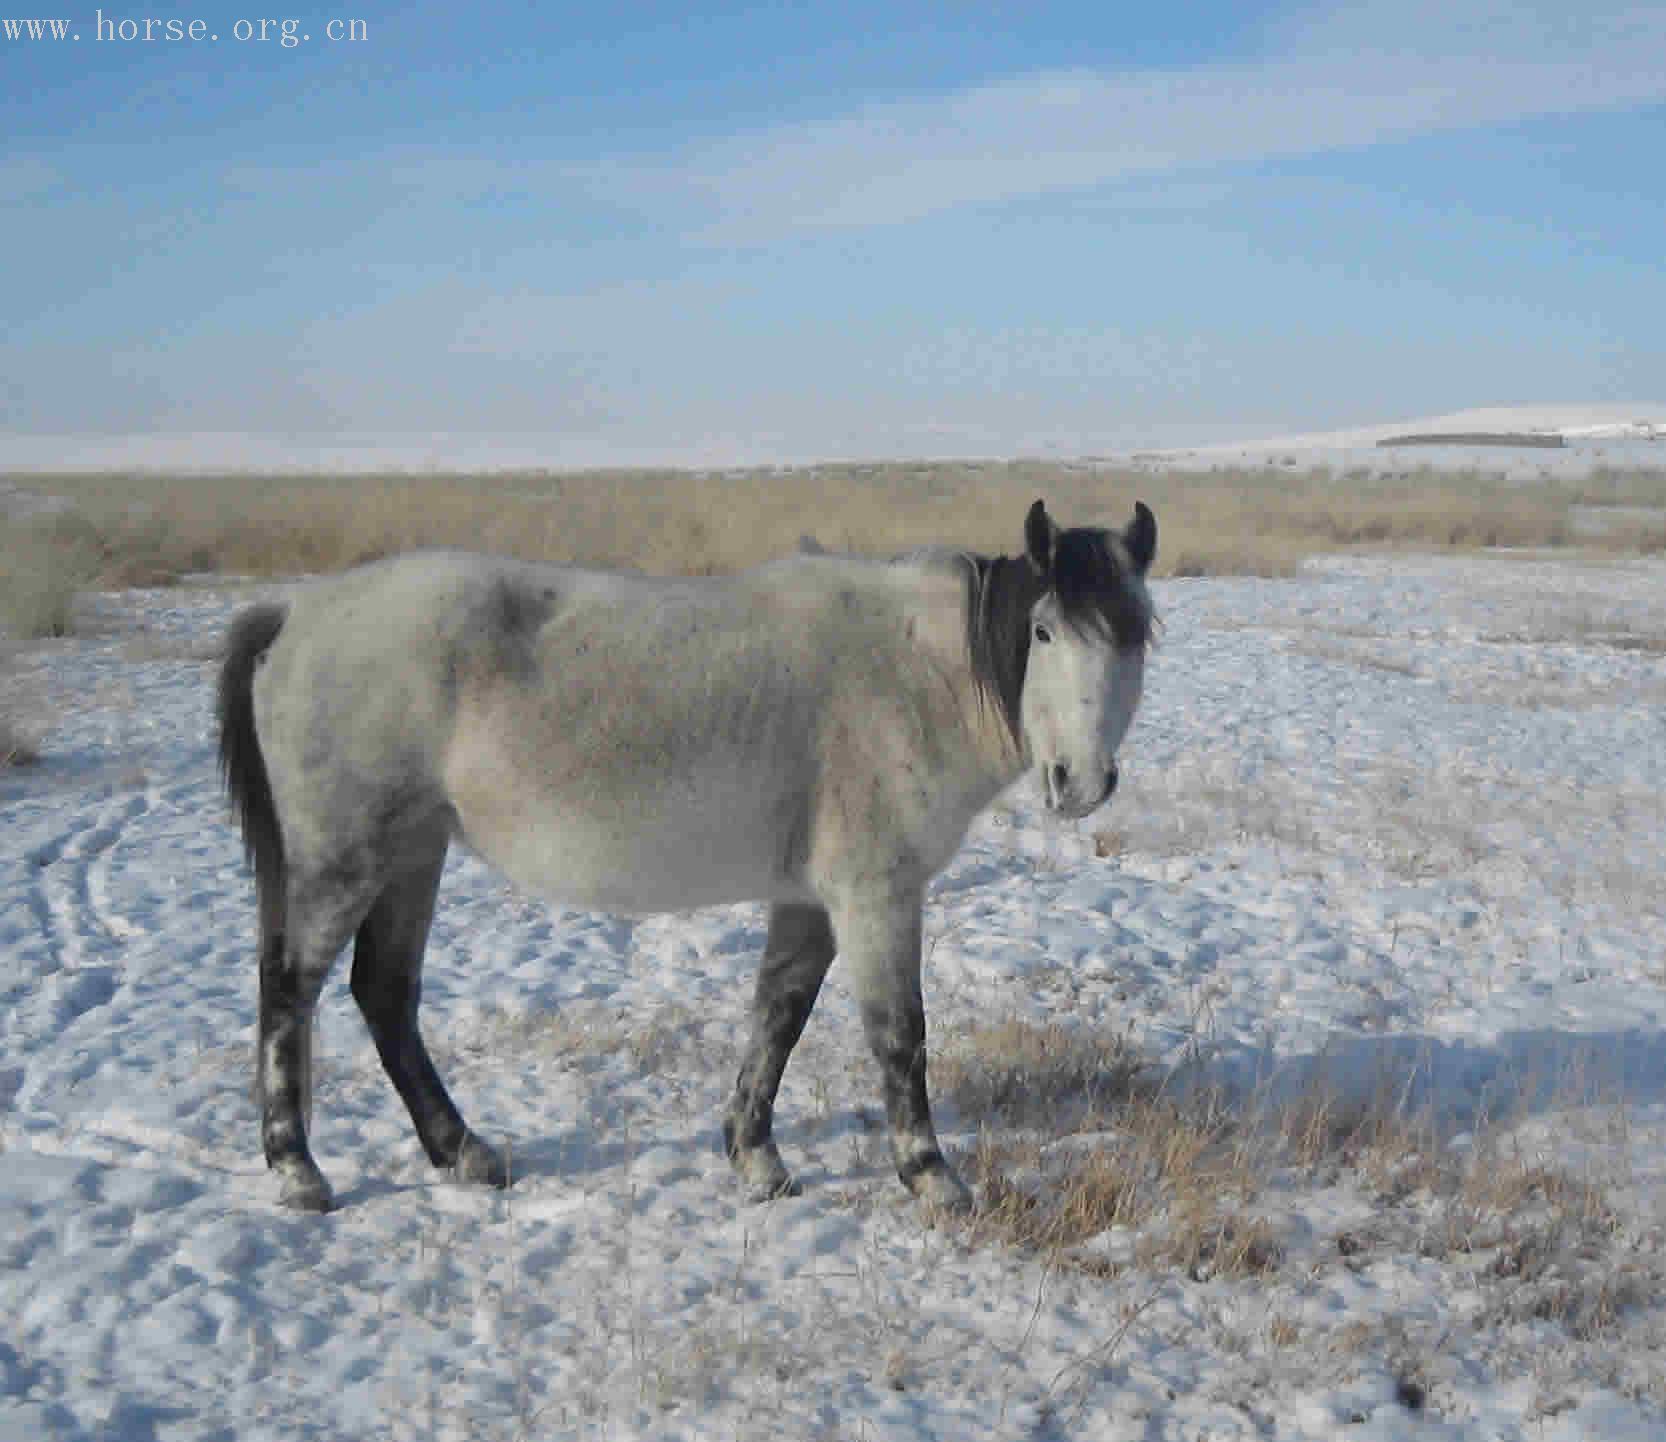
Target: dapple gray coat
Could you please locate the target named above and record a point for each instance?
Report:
(816, 734)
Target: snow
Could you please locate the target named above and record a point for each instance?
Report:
(1610, 422)
(1392, 818)
(1617, 436)
(1612, 435)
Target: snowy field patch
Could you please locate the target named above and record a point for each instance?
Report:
(1345, 1025)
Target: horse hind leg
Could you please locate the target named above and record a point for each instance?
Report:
(797, 954)
(321, 912)
(387, 985)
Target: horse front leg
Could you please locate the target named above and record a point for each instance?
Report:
(797, 954)
(880, 941)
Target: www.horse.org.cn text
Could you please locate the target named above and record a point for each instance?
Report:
(288, 33)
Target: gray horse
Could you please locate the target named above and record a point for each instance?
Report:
(817, 733)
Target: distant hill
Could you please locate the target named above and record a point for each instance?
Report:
(1529, 439)
(1525, 440)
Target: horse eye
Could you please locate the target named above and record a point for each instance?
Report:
(1042, 634)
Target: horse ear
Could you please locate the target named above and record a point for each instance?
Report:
(1140, 537)
(1041, 538)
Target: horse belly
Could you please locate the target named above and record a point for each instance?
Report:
(671, 855)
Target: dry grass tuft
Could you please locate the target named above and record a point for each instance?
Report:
(1284, 1331)
(44, 562)
(148, 528)
(1174, 1180)
(19, 744)
(1084, 1162)
(22, 731)
(1027, 1073)
(661, 1043)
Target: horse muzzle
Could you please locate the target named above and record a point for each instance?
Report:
(1064, 794)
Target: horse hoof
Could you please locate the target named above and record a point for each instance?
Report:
(479, 1161)
(786, 1185)
(302, 1192)
(764, 1174)
(940, 1190)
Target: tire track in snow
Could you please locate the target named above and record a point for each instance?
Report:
(104, 920)
(97, 890)
(72, 886)
(81, 973)
(130, 1142)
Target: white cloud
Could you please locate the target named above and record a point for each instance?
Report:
(1338, 83)
(1328, 78)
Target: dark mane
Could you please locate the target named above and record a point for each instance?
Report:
(1000, 594)
(1091, 578)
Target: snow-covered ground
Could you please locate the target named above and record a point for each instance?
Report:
(1621, 436)
(1395, 819)
(1617, 436)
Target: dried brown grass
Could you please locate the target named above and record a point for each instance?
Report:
(20, 743)
(1031, 1074)
(1078, 1147)
(23, 726)
(1622, 486)
(144, 529)
(44, 562)
(656, 1044)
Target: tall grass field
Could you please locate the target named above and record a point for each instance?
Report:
(147, 529)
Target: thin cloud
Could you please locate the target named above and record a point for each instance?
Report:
(1329, 79)
(893, 162)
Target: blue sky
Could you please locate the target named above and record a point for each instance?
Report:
(812, 230)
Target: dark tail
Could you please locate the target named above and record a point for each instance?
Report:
(244, 768)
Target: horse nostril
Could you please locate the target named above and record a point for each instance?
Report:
(1111, 779)
(1061, 777)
